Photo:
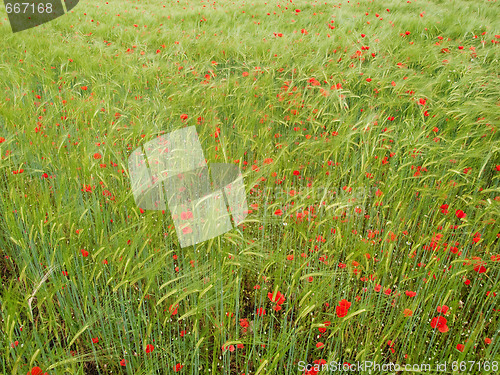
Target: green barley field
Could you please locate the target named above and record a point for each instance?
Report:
(367, 135)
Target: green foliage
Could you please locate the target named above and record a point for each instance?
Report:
(346, 180)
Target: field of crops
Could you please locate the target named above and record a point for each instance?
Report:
(367, 135)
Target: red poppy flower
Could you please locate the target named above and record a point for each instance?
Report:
(345, 303)
(439, 323)
(323, 329)
(479, 268)
(35, 371)
(312, 371)
(342, 308)
(341, 311)
(95, 340)
(261, 311)
(85, 253)
(178, 367)
(278, 298)
(244, 323)
(460, 214)
(149, 348)
(173, 309)
(442, 309)
(460, 347)
(123, 362)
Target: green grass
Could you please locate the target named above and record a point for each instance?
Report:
(368, 195)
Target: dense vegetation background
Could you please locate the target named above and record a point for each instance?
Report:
(367, 133)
